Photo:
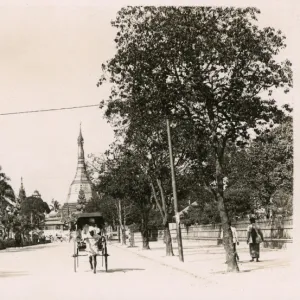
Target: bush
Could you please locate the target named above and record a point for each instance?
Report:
(27, 243)
(2, 245)
(9, 243)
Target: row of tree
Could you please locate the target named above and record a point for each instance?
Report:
(21, 213)
(211, 72)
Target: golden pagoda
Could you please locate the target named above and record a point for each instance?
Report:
(81, 181)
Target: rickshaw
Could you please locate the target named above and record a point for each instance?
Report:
(80, 246)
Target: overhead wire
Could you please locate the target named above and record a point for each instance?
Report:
(47, 110)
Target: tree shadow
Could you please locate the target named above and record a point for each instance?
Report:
(4, 274)
(122, 270)
(257, 266)
(26, 248)
(118, 270)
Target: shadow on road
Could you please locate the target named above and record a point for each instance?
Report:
(29, 248)
(12, 274)
(263, 265)
(119, 270)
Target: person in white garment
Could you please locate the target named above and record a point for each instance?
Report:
(97, 229)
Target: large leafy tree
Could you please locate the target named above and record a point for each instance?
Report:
(268, 169)
(104, 204)
(7, 203)
(115, 180)
(150, 150)
(33, 210)
(212, 67)
(6, 191)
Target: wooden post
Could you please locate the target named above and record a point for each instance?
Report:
(178, 229)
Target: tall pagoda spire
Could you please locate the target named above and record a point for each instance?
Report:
(81, 180)
(80, 145)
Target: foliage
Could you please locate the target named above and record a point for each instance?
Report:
(32, 213)
(55, 205)
(261, 171)
(11, 243)
(105, 205)
(7, 203)
(81, 200)
(211, 71)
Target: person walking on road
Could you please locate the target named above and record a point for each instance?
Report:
(235, 239)
(254, 238)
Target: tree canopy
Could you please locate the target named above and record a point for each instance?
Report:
(212, 73)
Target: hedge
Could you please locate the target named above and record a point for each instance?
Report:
(11, 243)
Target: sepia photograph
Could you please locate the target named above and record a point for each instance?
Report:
(147, 150)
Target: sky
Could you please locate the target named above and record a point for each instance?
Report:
(50, 57)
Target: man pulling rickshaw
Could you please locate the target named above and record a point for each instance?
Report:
(90, 239)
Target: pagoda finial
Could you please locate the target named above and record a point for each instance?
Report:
(80, 138)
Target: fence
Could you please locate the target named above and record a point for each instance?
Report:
(277, 233)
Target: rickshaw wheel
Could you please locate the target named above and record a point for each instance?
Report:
(75, 255)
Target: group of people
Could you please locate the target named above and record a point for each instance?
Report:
(91, 235)
(254, 238)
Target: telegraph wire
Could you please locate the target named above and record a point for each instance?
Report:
(47, 110)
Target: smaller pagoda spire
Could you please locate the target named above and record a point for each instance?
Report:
(22, 193)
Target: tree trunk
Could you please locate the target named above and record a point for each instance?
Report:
(232, 265)
(168, 240)
(145, 236)
(167, 234)
(144, 228)
(123, 236)
(119, 234)
(122, 227)
(131, 240)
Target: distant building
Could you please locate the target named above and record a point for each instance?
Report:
(53, 222)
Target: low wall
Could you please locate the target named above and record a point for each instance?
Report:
(277, 233)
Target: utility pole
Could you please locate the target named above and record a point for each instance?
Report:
(31, 226)
(178, 229)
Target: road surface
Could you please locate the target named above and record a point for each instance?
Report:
(46, 272)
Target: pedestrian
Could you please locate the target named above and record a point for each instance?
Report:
(234, 238)
(254, 238)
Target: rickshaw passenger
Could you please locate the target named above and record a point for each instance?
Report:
(85, 232)
(97, 230)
